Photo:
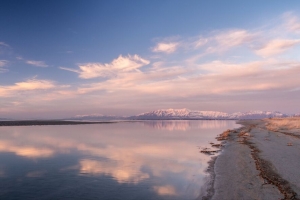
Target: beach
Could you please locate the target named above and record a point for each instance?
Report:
(259, 160)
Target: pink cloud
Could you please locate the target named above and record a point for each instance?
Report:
(292, 22)
(37, 63)
(276, 46)
(166, 47)
(122, 64)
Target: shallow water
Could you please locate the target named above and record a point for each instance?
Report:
(126, 160)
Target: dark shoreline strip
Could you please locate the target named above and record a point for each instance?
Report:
(46, 122)
(290, 134)
(211, 171)
(267, 173)
(210, 191)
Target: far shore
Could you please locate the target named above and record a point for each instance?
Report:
(78, 122)
(259, 160)
(47, 122)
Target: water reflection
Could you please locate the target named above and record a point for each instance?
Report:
(34, 174)
(183, 125)
(137, 158)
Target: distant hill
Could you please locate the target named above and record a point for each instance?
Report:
(194, 114)
(4, 119)
(296, 115)
(166, 114)
(96, 117)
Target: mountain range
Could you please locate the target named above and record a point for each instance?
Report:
(180, 114)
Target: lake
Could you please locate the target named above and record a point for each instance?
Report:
(149, 160)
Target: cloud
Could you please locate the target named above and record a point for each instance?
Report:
(4, 44)
(165, 47)
(139, 81)
(292, 22)
(69, 69)
(3, 63)
(28, 85)
(276, 46)
(5, 48)
(37, 63)
(222, 41)
(232, 38)
(122, 64)
(200, 42)
(217, 78)
(33, 84)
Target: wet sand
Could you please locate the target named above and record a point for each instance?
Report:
(260, 160)
(45, 122)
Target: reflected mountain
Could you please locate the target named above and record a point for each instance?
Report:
(183, 125)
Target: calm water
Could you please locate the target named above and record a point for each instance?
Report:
(126, 160)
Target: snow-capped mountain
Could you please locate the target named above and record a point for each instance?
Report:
(181, 114)
(296, 115)
(257, 115)
(194, 114)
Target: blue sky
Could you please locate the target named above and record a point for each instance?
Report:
(62, 58)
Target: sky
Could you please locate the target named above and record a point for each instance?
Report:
(73, 57)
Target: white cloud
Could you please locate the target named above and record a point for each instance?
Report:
(4, 44)
(218, 78)
(5, 49)
(37, 63)
(292, 22)
(69, 69)
(222, 41)
(276, 46)
(122, 64)
(3, 63)
(166, 47)
(138, 80)
(28, 85)
(200, 42)
(33, 84)
(232, 38)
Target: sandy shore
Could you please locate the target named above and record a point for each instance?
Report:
(45, 122)
(260, 160)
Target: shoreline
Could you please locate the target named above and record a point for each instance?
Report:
(46, 122)
(253, 163)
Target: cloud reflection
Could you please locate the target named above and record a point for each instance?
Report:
(24, 150)
(127, 152)
(121, 173)
(165, 190)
